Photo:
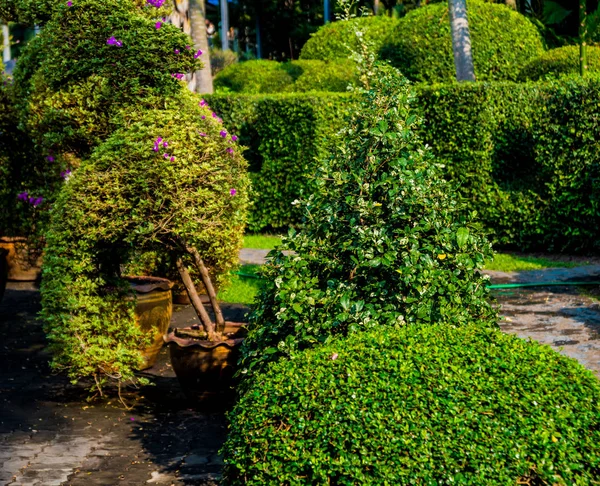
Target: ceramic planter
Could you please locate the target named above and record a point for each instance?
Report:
(22, 264)
(3, 271)
(205, 368)
(153, 312)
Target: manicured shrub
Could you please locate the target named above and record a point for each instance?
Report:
(285, 135)
(253, 77)
(336, 40)
(385, 241)
(137, 193)
(420, 405)
(558, 62)
(503, 41)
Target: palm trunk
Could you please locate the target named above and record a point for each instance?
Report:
(461, 40)
(224, 24)
(512, 4)
(204, 83)
(583, 67)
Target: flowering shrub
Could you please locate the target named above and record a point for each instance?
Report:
(170, 178)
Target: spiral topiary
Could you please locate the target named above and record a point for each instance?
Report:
(559, 62)
(502, 40)
(170, 179)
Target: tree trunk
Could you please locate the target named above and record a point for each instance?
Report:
(512, 4)
(224, 24)
(204, 82)
(188, 15)
(461, 40)
(583, 67)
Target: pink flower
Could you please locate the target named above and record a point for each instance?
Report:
(158, 24)
(230, 150)
(203, 117)
(233, 192)
(172, 159)
(165, 144)
(202, 134)
(203, 102)
(166, 156)
(234, 138)
(198, 54)
(176, 51)
(69, 3)
(223, 133)
(334, 356)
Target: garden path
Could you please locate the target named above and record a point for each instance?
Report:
(49, 435)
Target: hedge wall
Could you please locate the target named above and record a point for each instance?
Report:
(524, 155)
(285, 134)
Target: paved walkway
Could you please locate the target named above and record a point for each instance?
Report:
(49, 435)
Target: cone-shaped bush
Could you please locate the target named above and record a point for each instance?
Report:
(384, 241)
(560, 62)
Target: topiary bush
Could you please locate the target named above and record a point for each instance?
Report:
(559, 62)
(426, 404)
(254, 77)
(503, 41)
(170, 179)
(385, 240)
(336, 40)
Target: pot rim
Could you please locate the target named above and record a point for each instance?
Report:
(171, 338)
(144, 285)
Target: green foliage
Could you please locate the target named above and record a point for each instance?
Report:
(504, 262)
(68, 90)
(261, 241)
(559, 62)
(502, 42)
(244, 286)
(421, 405)
(220, 60)
(253, 77)
(285, 135)
(384, 242)
(336, 40)
(128, 198)
(524, 157)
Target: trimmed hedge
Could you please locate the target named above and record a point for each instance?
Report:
(558, 62)
(523, 155)
(285, 134)
(503, 41)
(336, 40)
(253, 77)
(421, 405)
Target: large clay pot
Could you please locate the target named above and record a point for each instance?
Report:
(3, 271)
(22, 264)
(153, 312)
(205, 368)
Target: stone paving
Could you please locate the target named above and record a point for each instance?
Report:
(50, 435)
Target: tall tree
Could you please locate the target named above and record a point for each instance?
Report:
(582, 37)
(461, 40)
(190, 16)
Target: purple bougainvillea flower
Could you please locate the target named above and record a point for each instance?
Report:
(155, 148)
(172, 159)
(230, 150)
(65, 174)
(178, 75)
(69, 3)
(214, 115)
(159, 139)
(233, 192)
(203, 117)
(223, 133)
(202, 134)
(176, 51)
(111, 41)
(188, 47)
(158, 24)
(50, 158)
(165, 144)
(198, 54)
(166, 156)
(155, 3)
(203, 102)
(234, 138)
(119, 43)
(23, 196)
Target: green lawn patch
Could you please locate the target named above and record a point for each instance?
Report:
(504, 262)
(261, 242)
(244, 286)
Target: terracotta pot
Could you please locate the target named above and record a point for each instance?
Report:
(205, 368)
(153, 312)
(22, 264)
(3, 271)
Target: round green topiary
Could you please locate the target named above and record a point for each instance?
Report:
(421, 405)
(336, 40)
(253, 77)
(559, 62)
(503, 41)
(171, 178)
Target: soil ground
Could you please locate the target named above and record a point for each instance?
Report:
(50, 435)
